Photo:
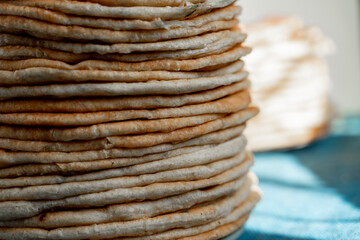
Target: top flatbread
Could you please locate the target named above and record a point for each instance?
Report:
(227, 13)
(11, 24)
(152, 3)
(137, 12)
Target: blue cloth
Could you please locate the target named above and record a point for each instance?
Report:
(311, 193)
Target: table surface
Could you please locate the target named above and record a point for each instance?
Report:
(310, 193)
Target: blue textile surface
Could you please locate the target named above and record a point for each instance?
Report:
(311, 193)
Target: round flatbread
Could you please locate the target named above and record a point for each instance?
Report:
(40, 29)
(104, 129)
(219, 228)
(12, 210)
(83, 105)
(134, 12)
(229, 104)
(204, 141)
(196, 42)
(216, 61)
(151, 3)
(221, 14)
(8, 158)
(43, 75)
(182, 161)
(171, 87)
(193, 217)
(131, 211)
(26, 52)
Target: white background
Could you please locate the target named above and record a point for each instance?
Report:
(339, 20)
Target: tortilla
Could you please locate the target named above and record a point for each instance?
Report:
(135, 12)
(40, 75)
(81, 105)
(68, 189)
(152, 3)
(190, 218)
(229, 104)
(171, 87)
(12, 210)
(131, 211)
(138, 141)
(182, 161)
(223, 226)
(195, 42)
(131, 155)
(193, 145)
(216, 61)
(40, 29)
(226, 13)
(104, 129)
(24, 52)
(12, 158)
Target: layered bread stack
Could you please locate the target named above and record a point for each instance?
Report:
(123, 120)
(291, 84)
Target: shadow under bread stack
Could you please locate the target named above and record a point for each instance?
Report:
(123, 120)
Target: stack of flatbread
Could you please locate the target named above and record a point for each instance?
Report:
(123, 119)
(290, 83)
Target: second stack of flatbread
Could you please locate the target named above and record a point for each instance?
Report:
(123, 119)
(291, 84)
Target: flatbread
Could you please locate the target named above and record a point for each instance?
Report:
(195, 42)
(152, 3)
(222, 231)
(15, 158)
(40, 29)
(8, 158)
(229, 104)
(131, 211)
(193, 217)
(165, 64)
(25, 52)
(104, 129)
(135, 12)
(68, 189)
(57, 187)
(204, 141)
(118, 103)
(68, 218)
(230, 225)
(223, 226)
(171, 87)
(74, 167)
(113, 175)
(138, 141)
(144, 139)
(226, 13)
(41, 75)
(12, 210)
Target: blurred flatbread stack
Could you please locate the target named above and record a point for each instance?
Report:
(290, 83)
(123, 120)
